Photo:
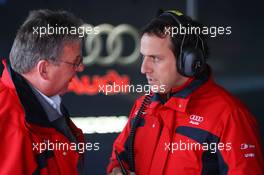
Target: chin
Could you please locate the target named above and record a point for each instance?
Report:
(163, 92)
(156, 88)
(62, 92)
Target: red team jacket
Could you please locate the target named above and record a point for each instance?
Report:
(23, 127)
(200, 130)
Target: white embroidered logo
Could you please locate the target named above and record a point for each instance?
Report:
(196, 120)
(246, 146)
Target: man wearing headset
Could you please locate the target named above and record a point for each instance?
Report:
(194, 127)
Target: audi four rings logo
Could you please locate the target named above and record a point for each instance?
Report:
(93, 45)
(196, 118)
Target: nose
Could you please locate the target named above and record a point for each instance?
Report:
(145, 66)
(80, 68)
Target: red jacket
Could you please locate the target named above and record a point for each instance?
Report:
(179, 135)
(24, 128)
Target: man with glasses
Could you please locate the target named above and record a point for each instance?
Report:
(36, 131)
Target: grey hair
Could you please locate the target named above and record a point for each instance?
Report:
(30, 47)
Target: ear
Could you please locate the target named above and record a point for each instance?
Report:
(42, 68)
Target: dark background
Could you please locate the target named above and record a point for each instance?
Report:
(236, 59)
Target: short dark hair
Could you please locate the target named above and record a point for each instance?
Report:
(158, 25)
(29, 47)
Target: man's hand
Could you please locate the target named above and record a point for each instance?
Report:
(116, 171)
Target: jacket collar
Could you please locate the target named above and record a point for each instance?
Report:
(4, 75)
(179, 97)
(35, 115)
(34, 112)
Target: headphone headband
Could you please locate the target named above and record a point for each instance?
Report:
(190, 60)
(182, 20)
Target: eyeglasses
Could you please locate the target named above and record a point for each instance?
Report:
(75, 65)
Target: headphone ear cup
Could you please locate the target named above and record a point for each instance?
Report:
(192, 62)
(179, 64)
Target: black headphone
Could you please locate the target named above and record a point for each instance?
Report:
(191, 60)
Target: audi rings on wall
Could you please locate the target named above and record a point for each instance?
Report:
(93, 45)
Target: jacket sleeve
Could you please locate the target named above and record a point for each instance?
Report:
(15, 147)
(119, 145)
(240, 132)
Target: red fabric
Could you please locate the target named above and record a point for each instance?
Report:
(17, 138)
(222, 116)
